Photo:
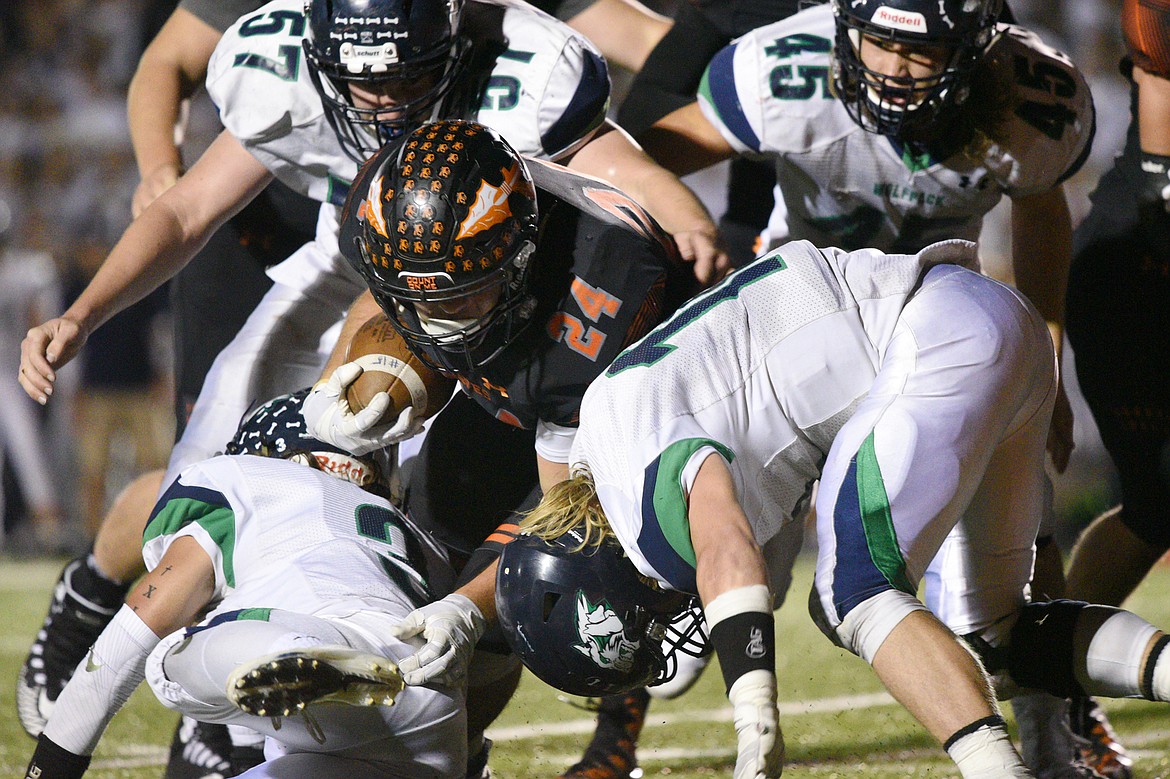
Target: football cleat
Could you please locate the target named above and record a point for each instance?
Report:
(81, 607)
(283, 684)
(199, 750)
(610, 755)
(1097, 742)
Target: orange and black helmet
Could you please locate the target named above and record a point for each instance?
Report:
(447, 229)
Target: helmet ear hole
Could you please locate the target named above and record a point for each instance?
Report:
(550, 603)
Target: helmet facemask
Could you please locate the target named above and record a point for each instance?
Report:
(447, 240)
(371, 58)
(462, 342)
(907, 107)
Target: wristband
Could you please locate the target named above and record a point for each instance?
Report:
(50, 761)
(1155, 178)
(743, 631)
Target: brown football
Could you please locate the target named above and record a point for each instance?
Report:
(389, 366)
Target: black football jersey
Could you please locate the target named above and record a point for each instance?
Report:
(603, 275)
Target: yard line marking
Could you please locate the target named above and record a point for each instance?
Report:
(787, 709)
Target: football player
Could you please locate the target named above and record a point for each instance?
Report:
(918, 393)
(306, 92)
(520, 278)
(1118, 302)
(290, 563)
(894, 123)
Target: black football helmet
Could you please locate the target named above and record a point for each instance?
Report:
(890, 105)
(584, 621)
(277, 429)
(407, 47)
(447, 229)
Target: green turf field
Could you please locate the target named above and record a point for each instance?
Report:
(836, 720)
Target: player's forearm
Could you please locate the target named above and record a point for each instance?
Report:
(113, 669)
(482, 591)
(727, 556)
(359, 313)
(615, 157)
(153, 107)
(153, 249)
(170, 71)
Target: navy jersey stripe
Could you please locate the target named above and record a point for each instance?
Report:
(679, 573)
(585, 111)
(718, 85)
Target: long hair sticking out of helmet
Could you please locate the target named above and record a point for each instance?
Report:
(571, 504)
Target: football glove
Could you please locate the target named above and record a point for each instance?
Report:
(760, 753)
(451, 627)
(330, 419)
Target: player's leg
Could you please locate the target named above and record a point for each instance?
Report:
(88, 594)
(1116, 301)
(425, 728)
(964, 371)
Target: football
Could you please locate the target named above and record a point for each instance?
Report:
(388, 365)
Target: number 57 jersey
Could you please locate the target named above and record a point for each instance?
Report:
(769, 94)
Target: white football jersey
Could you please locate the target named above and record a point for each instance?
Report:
(283, 535)
(758, 360)
(543, 87)
(769, 94)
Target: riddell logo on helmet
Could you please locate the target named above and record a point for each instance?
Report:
(897, 19)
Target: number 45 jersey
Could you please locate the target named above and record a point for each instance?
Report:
(769, 93)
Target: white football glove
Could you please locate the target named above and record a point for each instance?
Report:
(329, 418)
(451, 628)
(760, 752)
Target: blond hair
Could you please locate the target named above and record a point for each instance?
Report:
(570, 505)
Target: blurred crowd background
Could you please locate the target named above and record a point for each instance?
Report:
(67, 175)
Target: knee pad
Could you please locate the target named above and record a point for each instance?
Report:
(866, 627)
(1041, 647)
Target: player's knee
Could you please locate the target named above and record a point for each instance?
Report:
(866, 626)
(1041, 648)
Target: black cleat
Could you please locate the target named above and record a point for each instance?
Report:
(83, 604)
(199, 750)
(610, 755)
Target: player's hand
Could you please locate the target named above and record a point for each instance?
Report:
(152, 185)
(46, 348)
(451, 627)
(760, 752)
(329, 418)
(705, 251)
(1060, 434)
